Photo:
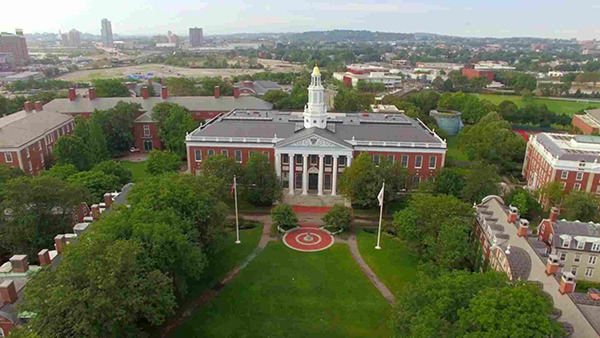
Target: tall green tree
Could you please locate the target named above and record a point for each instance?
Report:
(449, 181)
(96, 143)
(582, 206)
(110, 88)
(160, 162)
(71, 149)
(8, 172)
(176, 125)
(481, 180)
(260, 184)
(222, 169)
(553, 192)
(61, 172)
(96, 182)
(115, 168)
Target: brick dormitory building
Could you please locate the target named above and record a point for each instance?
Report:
(310, 149)
(28, 136)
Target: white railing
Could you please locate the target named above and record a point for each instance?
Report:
(234, 139)
(397, 144)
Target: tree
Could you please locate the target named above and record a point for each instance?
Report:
(582, 206)
(482, 180)
(96, 182)
(71, 149)
(553, 192)
(61, 172)
(180, 86)
(261, 185)
(39, 209)
(491, 140)
(117, 124)
(176, 125)
(223, 169)
(455, 305)
(191, 198)
(337, 217)
(491, 313)
(160, 162)
(450, 182)
(284, 217)
(115, 168)
(275, 96)
(437, 229)
(7, 173)
(352, 100)
(4, 106)
(96, 143)
(99, 290)
(110, 88)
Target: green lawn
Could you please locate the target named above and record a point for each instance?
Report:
(286, 293)
(557, 106)
(229, 255)
(393, 264)
(138, 169)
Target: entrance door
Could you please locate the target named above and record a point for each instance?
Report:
(313, 181)
(147, 145)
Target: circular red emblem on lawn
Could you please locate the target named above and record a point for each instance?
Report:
(308, 239)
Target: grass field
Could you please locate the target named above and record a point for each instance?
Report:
(138, 169)
(286, 293)
(393, 264)
(557, 106)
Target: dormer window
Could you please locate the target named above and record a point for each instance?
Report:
(566, 243)
(580, 245)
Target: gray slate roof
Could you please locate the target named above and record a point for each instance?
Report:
(520, 263)
(193, 103)
(594, 114)
(576, 228)
(21, 127)
(558, 146)
(267, 124)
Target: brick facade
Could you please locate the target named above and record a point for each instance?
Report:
(145, 137)
(584, 124)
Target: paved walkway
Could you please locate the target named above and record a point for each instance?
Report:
(570, 312)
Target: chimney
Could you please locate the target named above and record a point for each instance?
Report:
(92, 93)
(27, 106)
(145, 92)
(38, 106)
(95, 211)
(567, 283)
(44, 257)
(164, 92)
(523, 228)
(108, 198)
(59, 243)
(236, 92)
(19, 263)
(72, 94)
(513, 214)
(217, 92)
(552, 265)
(8, 292)
(554, 212)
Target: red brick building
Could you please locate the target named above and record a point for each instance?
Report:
(309, 150)
(16, 45)
(27, 137)
(145, 131)
(569, 159)
(470, 72)
(588, 124)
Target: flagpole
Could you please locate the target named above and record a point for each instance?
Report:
(380, 216)
(237, 224)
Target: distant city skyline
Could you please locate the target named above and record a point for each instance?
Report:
(555, 19)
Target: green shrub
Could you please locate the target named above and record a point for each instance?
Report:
(284, 217)
(337, 218)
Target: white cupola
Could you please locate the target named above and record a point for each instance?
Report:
(315, 111)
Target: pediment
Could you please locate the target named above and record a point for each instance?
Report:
(312, 140)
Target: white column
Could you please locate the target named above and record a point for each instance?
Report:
(321, 163)
(291, 182)
(334, 176)
(348, 160)
(304, 174)
(278, 165)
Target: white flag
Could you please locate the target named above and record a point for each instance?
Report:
(380, 196)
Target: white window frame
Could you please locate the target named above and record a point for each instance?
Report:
(238, 152)
(577, 186)
(434, 162)
(404, 161)
(8, 157)
(210, 152)
(376, 159)
(579, 176)
(418, 160)
(285, 159)
(196, 157)
(577, 258)
(595, 246)
(589, 272)
(563, 185)
(146, 130)
(592, 260)
(27, 153)
(580, 245)
(342, 160)
(266, 153)
(564, 174)
(574, 270)
(563, 256)
(566, 244)
(225, 152)
(391, 158)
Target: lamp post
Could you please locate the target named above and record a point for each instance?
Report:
(237, 223)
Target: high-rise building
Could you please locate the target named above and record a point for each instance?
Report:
(196, 37)
(107, 35)
(15, 44)
(71, 39)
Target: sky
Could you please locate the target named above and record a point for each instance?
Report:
(481, 18)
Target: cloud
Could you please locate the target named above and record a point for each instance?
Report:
(409, 7)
